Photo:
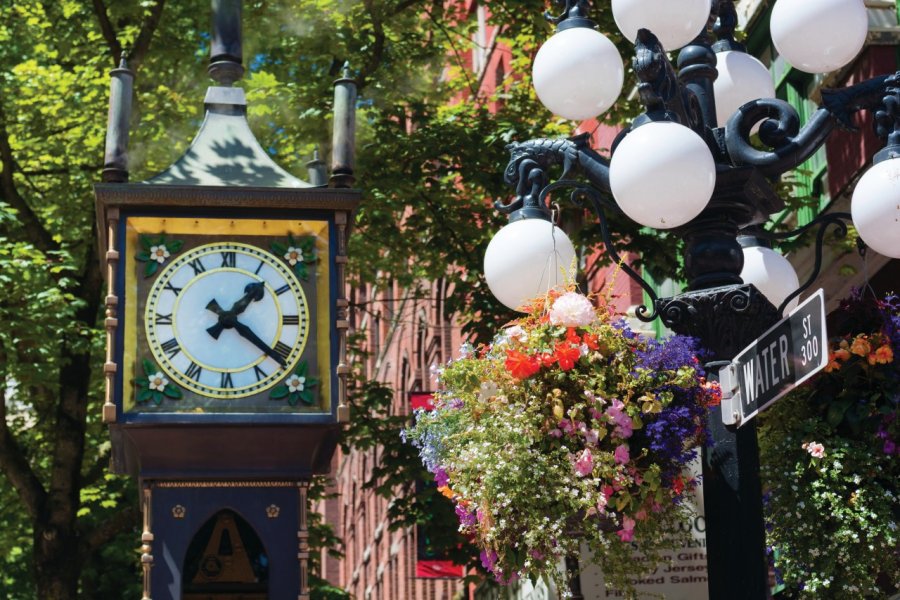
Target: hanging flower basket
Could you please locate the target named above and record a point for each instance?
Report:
(829, 453)
(568, 428)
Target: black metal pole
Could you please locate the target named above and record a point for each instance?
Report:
(725, 320)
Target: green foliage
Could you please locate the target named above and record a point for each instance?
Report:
(829, 463)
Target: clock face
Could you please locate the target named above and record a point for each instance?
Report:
(226, 320)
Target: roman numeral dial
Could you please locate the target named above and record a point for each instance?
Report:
(226, 320)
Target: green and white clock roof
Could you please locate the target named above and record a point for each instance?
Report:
(225, 152)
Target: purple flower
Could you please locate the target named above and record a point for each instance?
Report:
(440, 477)
(466, 518)
(488, 559)
(889, 447)
(669, 354)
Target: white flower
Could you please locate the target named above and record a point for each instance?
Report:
(516, 331)
(572, 310)
(159, 253)
(158, 382)
(296, 383)
(466, 350)
(292, 255)
(487, 391)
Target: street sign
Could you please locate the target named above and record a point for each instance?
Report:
(792, 351)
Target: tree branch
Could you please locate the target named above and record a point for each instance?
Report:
(15, 466)
(109, 33)
(145, 36)
(107, 531)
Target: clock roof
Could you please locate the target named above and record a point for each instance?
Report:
(225, 152)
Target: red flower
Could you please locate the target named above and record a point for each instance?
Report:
(521, 365)
(547, 360)
(572, 337)
(591, 341)
(566, 355)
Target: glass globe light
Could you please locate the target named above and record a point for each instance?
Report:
(578, 73)
(527, 258)
(772, 274)
(875, 208)
(742, 78)
(675, 22)
(662, 175)
(820, 36)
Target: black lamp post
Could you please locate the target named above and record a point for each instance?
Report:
(725, 312)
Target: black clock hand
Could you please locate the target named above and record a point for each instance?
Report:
(248, 335)
(253, 292)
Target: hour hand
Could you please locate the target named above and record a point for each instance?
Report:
(247, 333)
(215, 330)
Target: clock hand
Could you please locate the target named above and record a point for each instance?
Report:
(248, 334)
(253, 292)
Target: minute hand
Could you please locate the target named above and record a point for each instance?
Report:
(247, 333)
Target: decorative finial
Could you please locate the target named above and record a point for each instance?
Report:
(343, 153)
(575, 14)
(226, 54)
(316, 169)
(115, 160)
(725, 26)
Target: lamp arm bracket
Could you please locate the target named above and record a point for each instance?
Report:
(821, 224)
(790, 144)
(600, 203)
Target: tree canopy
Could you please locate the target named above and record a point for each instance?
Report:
(431, 156)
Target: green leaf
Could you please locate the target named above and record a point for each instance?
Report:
(142, 256)
(279, 392)
(307, 397)
(300, 271)
(151, 268)
(174, 246)
(293, 397)
(172, 391)
(278, 249)
(836, 412)
(157, 397)
(149, 367)
(144, 395)
(291, 239)
(145, 242)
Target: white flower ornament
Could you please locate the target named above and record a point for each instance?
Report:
(158, 382)
(296, 383)
(292, 256)
(159, 253)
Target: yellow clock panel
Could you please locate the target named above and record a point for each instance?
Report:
(229, 315)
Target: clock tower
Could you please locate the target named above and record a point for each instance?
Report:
(226, 337)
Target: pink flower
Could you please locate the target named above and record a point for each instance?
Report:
(626, 534)
(591, 437)
(621, 454)
(585, 463)
(624, 424)
(815, 449)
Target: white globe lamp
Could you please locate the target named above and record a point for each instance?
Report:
(674, 22)
(662, 175)
(875, 208)
(526, 259)
(821, 35)
(578, 73)
(742, 78)
(770, 272)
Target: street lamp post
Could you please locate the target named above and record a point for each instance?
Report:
(682, 166)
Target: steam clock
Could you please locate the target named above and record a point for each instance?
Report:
(226, 328)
